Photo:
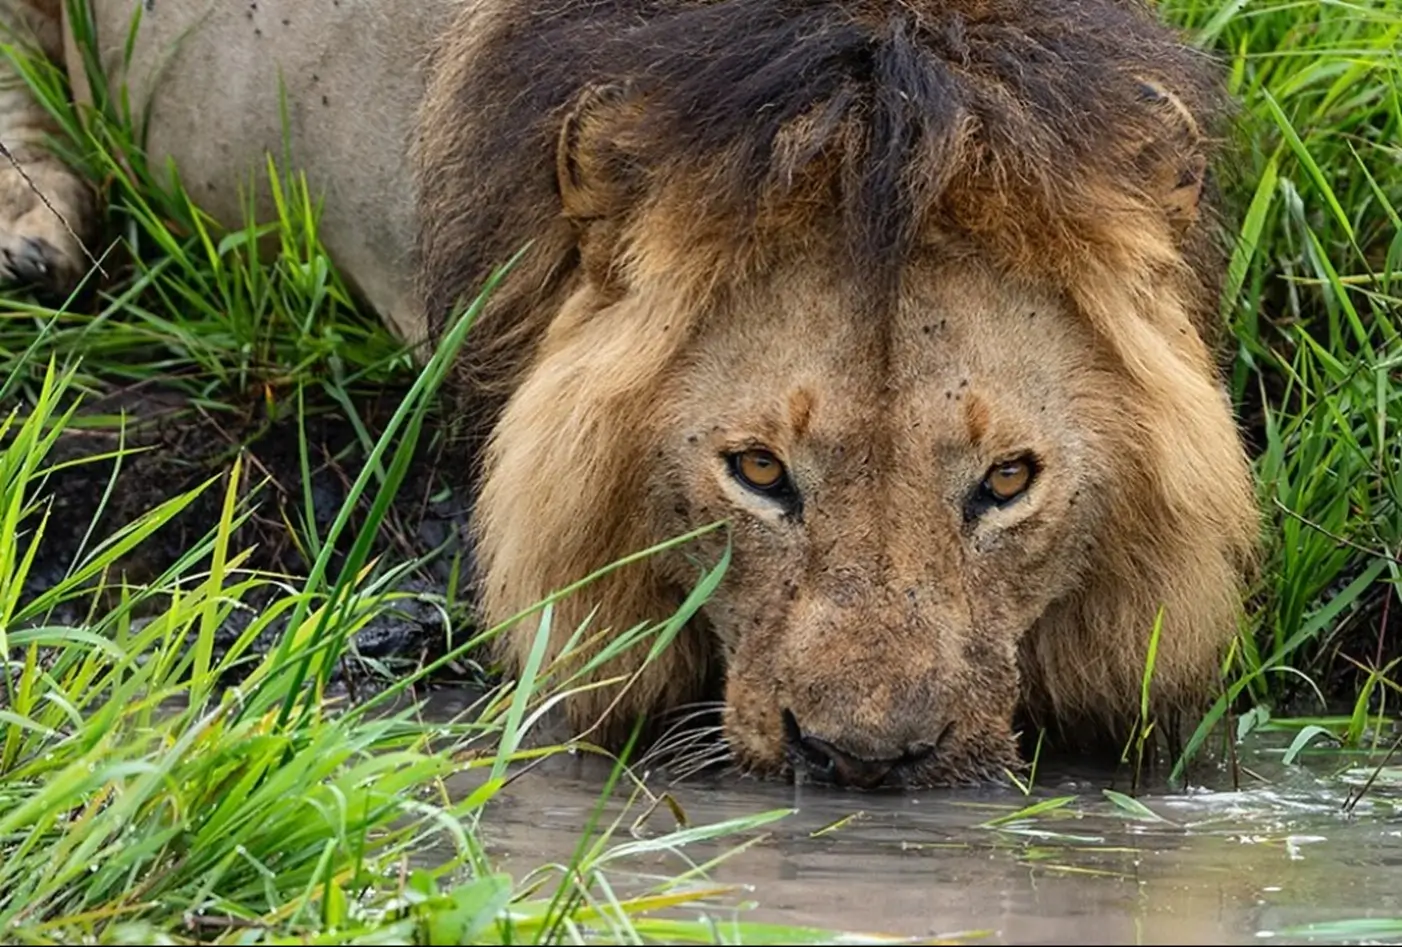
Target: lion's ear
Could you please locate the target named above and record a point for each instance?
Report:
(1175, 160)
(594, 172)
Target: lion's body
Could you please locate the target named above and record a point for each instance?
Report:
(904, 252)
(205, 76)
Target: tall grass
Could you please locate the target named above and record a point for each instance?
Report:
(1313, 302)
(216, 312)
(143, 801)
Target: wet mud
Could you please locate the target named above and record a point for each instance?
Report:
(172, 443)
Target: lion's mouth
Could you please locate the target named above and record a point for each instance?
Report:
(819, 761)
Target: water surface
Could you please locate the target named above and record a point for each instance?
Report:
(1277, 860)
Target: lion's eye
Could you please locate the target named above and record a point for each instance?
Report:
(1008, 479)
(759, 470)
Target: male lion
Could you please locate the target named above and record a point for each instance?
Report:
(919, 295)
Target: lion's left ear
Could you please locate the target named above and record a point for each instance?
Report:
(1175, 160)
(595, 174)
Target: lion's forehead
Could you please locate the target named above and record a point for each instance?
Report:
(964, 355)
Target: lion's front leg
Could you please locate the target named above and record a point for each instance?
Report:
(46, 208)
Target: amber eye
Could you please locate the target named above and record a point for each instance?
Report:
(1009, 479)
(758, 469)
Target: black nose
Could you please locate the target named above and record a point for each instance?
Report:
(825, 762)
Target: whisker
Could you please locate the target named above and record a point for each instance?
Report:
(699, 705)
(702, 766)
(683, 769)
(686, 737)
(681, 724)
(680, 716)
(680, 743)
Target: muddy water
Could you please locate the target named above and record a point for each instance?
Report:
(1277, 860)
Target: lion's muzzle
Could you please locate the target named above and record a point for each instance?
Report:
(883, 691)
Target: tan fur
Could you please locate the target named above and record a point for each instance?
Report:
(1046, 301)
(205, 78)
(814, 618)
(40, 243)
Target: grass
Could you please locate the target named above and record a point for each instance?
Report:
(1313, 302)
(141, 797)
(141, 801)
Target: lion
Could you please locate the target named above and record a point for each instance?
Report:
(918, 298)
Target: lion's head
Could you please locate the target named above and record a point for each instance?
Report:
(915, 295)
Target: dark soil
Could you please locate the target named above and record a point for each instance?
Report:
(183, 443)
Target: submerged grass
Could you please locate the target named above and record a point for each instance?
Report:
(144, 798)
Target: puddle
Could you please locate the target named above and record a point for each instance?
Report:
(1249, 866)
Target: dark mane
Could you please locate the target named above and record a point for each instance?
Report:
(1007, 120)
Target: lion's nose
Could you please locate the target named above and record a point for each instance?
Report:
(826, 762)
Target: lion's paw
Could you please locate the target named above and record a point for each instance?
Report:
(40, 243)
